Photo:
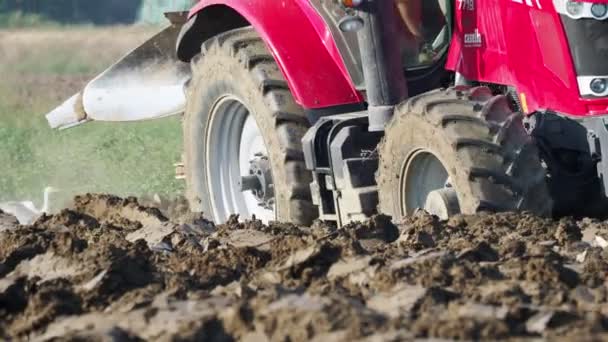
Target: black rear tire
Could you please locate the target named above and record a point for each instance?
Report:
(492, 163)
(238, 64)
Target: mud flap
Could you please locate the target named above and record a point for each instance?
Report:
(146, 84)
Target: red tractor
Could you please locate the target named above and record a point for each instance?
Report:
(302, 109)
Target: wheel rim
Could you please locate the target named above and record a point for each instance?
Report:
(234, 140)
(426, 185)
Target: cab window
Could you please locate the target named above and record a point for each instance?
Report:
(423, 31)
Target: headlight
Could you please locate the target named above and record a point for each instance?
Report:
(596, 86)
(599, 10)
(574, 9)
(581, 9)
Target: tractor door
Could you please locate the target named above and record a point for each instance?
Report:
(424, 35)
(424, 32)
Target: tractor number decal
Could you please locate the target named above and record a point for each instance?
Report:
(466, 5)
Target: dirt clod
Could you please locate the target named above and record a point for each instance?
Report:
(112, 269)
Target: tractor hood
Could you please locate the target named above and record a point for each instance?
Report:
(145, 84)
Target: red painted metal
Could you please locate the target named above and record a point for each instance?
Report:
(302, 46)
(523, 44)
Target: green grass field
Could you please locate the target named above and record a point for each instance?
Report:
(39, 68)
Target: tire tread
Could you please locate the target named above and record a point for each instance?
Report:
(490, 144)
(245, 45)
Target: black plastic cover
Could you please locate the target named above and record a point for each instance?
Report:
(588, 40)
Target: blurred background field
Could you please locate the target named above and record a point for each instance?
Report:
(44, 59)
(20, 13)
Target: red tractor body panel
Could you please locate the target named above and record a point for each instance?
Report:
(521, 44)
(302, 46)
(518, 43)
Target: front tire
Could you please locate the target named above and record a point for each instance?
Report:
(240, 112)
(463, 148)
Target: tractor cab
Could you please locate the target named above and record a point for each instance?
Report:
(421, 32)
(424, 32)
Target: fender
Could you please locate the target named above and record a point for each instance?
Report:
(297, 37)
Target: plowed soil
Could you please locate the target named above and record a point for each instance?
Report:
(110, 269)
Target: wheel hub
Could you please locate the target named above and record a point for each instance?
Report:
(237, 148)
(259, 181)
(427, 186)
(442, 203)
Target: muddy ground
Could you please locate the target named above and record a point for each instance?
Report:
(109, 269)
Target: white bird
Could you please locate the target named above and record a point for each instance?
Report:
(26, 212)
